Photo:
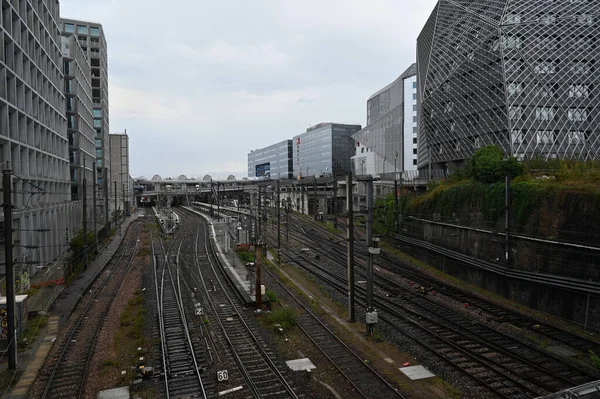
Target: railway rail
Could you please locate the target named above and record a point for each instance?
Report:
(366, 382)
(182, 370)
(539, 373)
(66, 367)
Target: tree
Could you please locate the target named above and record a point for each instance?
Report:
(489, 166)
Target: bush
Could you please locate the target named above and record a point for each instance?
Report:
(246, 256)
(285, 317)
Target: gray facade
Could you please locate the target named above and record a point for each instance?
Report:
(33, 132)
(93, 43)
(78, 98)
(325, 149)
(274, 161)
(119, 169)
(386, 133)
(518, 74)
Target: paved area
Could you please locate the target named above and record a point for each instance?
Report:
(58, 301)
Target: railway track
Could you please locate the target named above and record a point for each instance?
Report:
(366, 382)
(65, 369)
(489, 364)
(493, 311)
(182, 369)
(255, 373)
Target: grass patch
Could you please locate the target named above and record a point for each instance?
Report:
(33, 329)
(595, 360)
(285, 317)
(129, 337)
(145, 251)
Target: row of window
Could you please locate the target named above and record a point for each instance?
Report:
(574, 137)
(550, 18)
(82, 29)
(574, 90)
(549, 113)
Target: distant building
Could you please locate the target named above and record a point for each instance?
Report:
(122, 183)
(274, 161)
(389, 140)
(516, 74)
(325, 149)
(93, 43)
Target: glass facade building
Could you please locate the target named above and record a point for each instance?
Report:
(391, 127)
(324, 149)
(518, 74)
(274, 161)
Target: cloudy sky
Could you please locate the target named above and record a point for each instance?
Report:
(198, 83)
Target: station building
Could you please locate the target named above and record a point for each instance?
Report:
(325, 149)
(517, 74)
(274, 161)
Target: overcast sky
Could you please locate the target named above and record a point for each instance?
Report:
(198, 84)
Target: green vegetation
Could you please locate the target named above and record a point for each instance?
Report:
(246, 256)
(282, 317)
(477, 191)
(144, 252)
(595, 359)
(271, 296)
(33, 329)
(78, 255)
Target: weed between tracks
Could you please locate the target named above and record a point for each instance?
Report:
(129, 337)
(33, 329)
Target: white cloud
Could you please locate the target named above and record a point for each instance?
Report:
(261, 55)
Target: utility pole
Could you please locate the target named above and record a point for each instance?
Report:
(10, 273)
(396, 192)
(95, 180)
(84, 193)
(258, 289)
(258, 214)
(350, 236)
(315, 199)
(507, 217)
(278, 224)
(371, 316)
(335, 190)
(115, 204)
(105, 184)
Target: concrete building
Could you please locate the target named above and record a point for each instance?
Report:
(93, 43)
(274, 161)
(389, 140)
(33, 132)
(516, 74)
(324, 149)
(80, 133)
(122, 183)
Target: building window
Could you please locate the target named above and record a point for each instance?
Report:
(544, 91)
(94, 31)
(68, 86)
(414, 140)
(547, 19)
(69, 103)
(515, 113)
(97, 122)
(516, 137)
(98, 143)
(97, 113)
(580, 67)
(414, 85)
(579, 91)
(414, 96)
(414, 161)
(544, 113)
(414, 151)
(545, 137)
(576, 137)
(71, 122)
(69, 28)
(415, 108)
(82, 30)
(513, 18)
(98, 152)
(577, 114)
(515, 88)
(544, 67)
(585, 19)
(448, 107)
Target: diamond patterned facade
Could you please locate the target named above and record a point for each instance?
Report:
(519, 74)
